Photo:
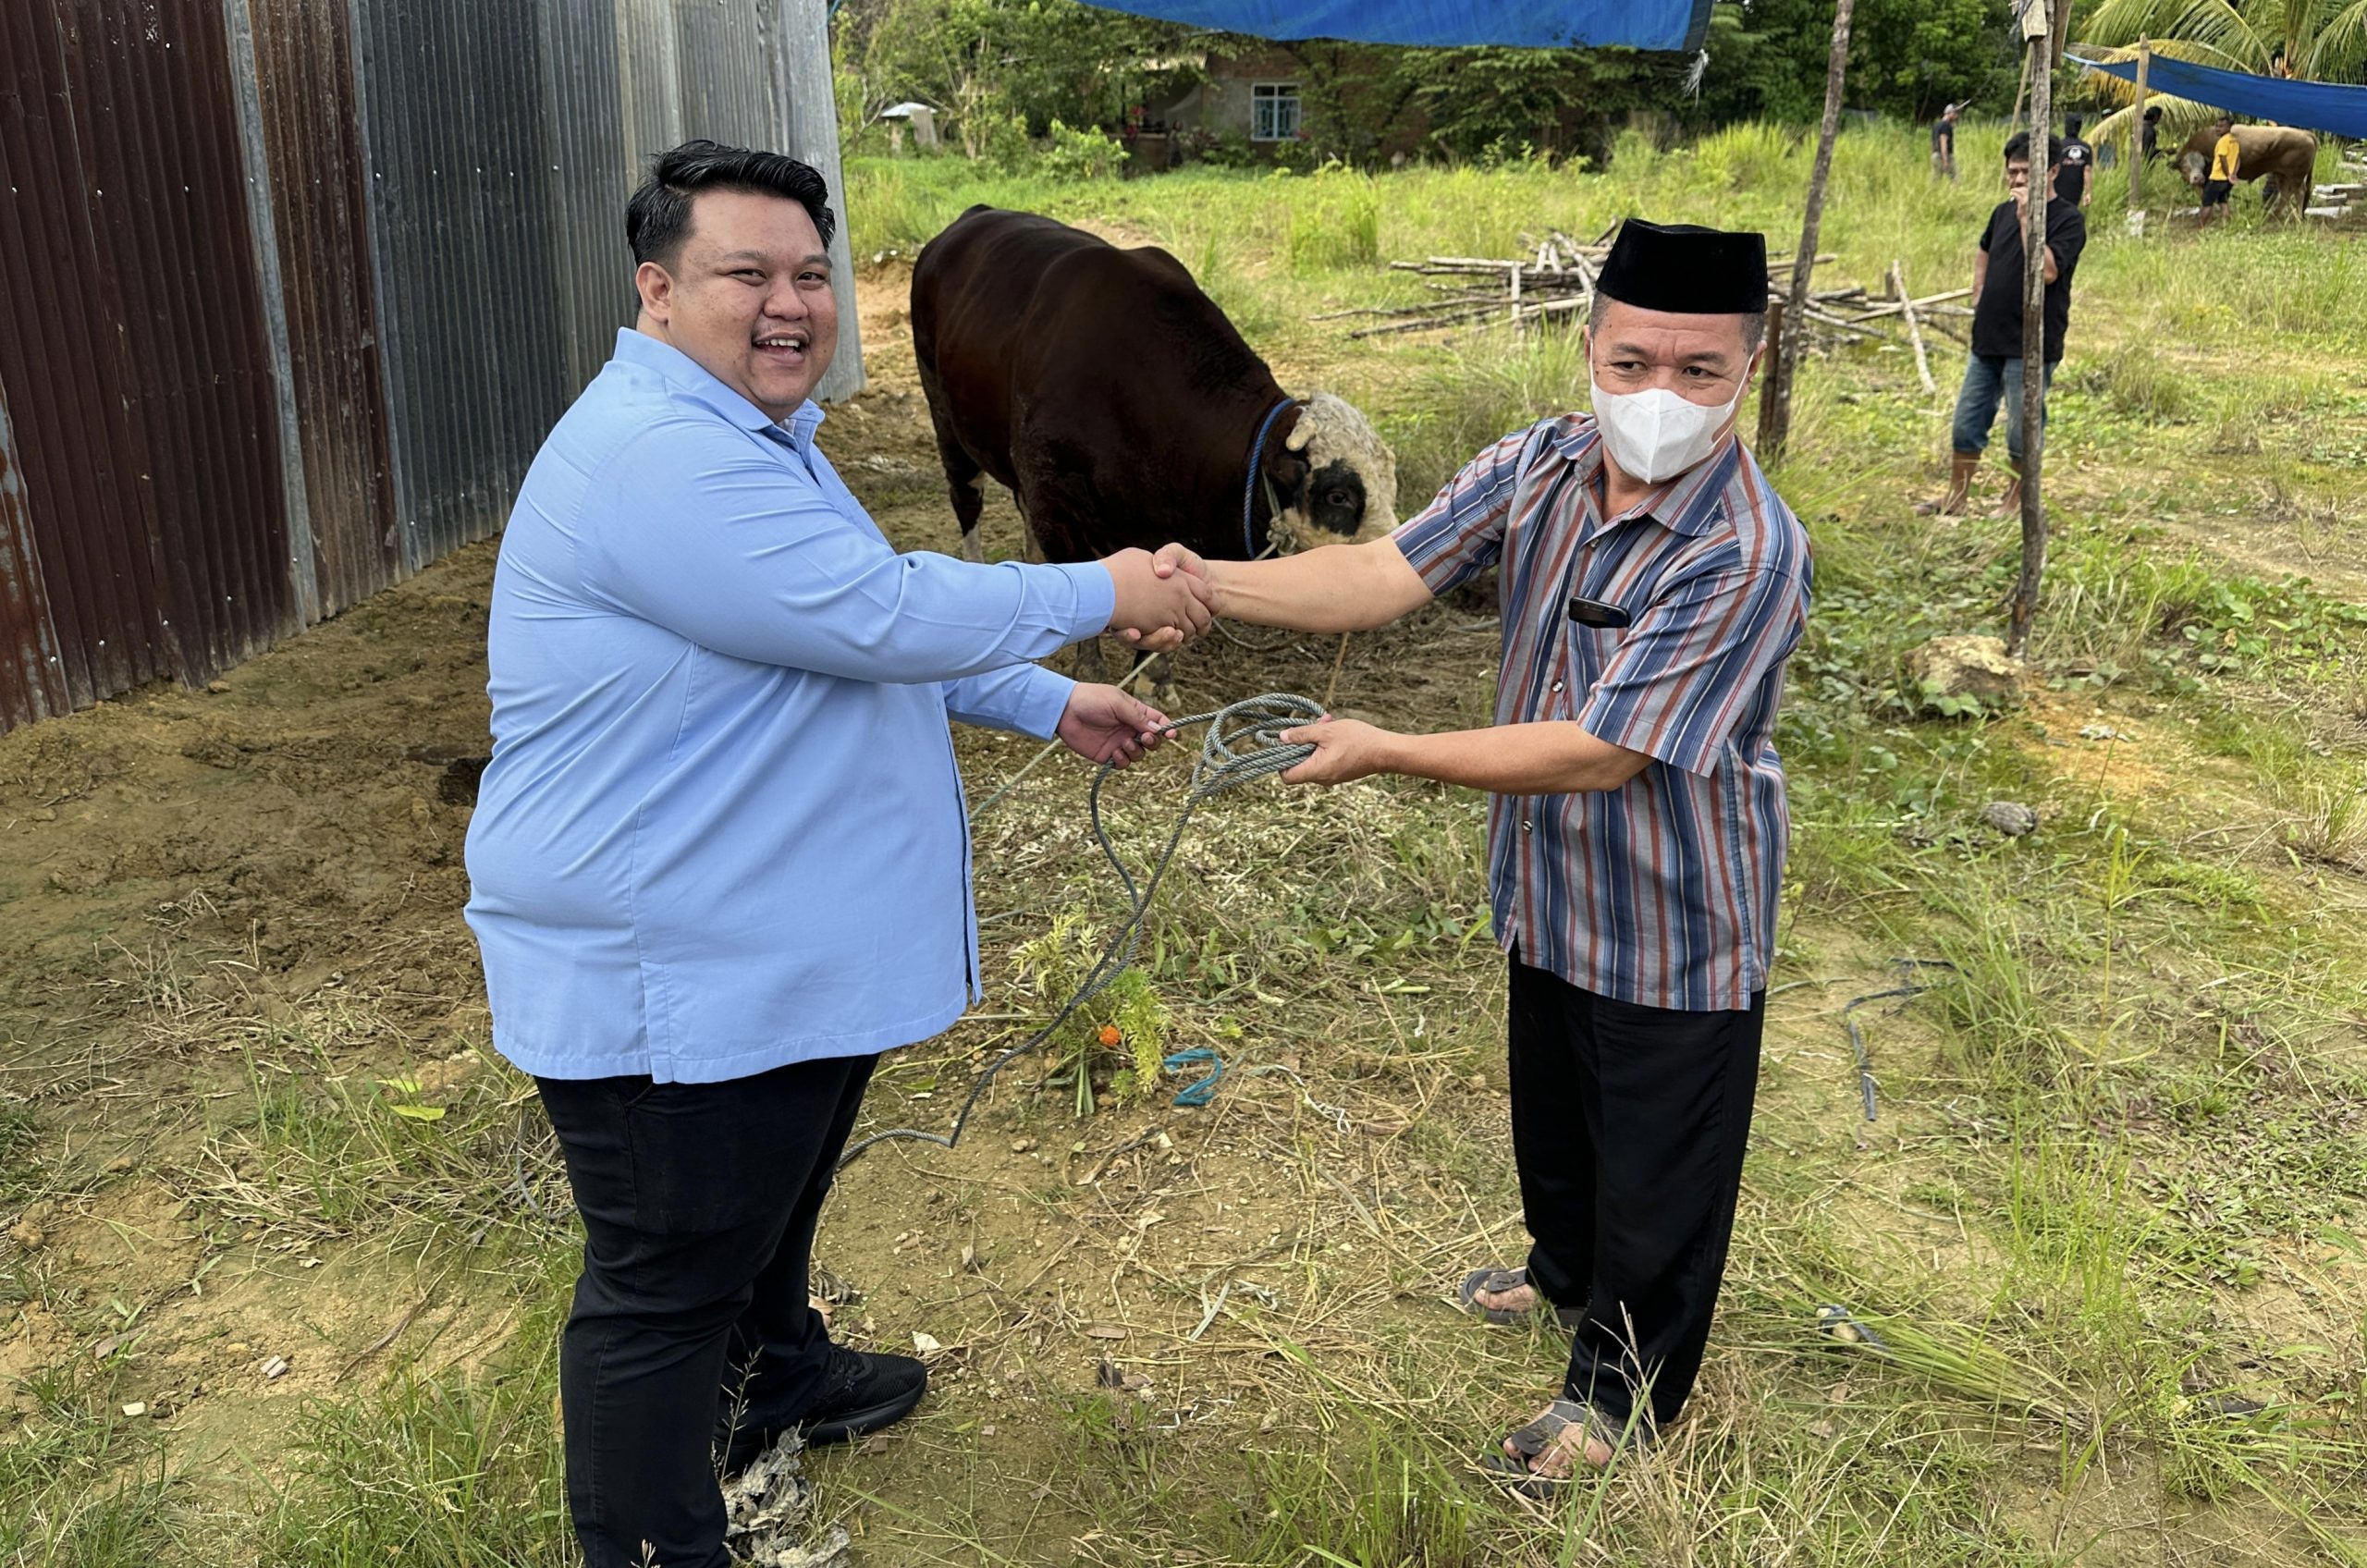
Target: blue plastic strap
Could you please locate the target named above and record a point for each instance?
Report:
(1204, 1091)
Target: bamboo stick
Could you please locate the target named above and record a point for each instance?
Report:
(1448, 319)
(2136, 129)
(1914, 331)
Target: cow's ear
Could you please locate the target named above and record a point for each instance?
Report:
(1286, 471)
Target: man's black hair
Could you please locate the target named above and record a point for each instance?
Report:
(2154, 112)
(2071, 125)
(659, 217)
(2019, 146)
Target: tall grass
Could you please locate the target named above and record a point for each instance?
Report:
(1337, 224)
(82, 1485)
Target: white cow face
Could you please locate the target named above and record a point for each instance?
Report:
(1351, 490)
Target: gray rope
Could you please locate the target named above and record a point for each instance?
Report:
(1243, 744)
(1907, 968)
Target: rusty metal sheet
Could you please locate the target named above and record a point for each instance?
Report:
(31, 685)
(308, 114)
(169, 218)
(132, 353)
(63, 367)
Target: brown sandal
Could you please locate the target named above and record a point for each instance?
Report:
(1541, 1434)
(1496, 1281)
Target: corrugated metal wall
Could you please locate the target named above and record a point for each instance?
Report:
(308, 124)
(132, 349)
(724, 57)
(30, 684)
(586, 152)
(172, 228)
(59, 362)
(452, 132)
(291, 291)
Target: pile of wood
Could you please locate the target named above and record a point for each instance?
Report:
(1556, 282)
(2335, 201)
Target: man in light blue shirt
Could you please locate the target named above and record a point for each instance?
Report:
(719, 860)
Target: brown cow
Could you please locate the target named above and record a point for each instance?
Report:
(2286, 157)
(1117, 403)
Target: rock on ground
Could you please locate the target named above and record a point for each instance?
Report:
(1965, 666)
(2010, 817)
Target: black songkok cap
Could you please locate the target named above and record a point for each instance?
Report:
(1685, 268)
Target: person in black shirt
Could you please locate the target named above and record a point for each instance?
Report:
(2076, 179)
(1943, 141)
(1993, 372)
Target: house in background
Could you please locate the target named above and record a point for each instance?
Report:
(1258, 97)
(1264, 102)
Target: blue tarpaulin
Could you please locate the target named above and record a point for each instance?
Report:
(1530, 24)
(2313, 105)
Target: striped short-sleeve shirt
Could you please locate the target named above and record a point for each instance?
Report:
(1662, 892)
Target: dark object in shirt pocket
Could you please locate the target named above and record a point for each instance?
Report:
(1597, 613)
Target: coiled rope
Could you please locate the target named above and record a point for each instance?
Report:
(1244, 743)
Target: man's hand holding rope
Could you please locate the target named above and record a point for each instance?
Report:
(1107, 724)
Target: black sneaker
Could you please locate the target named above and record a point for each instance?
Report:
(860, 1393)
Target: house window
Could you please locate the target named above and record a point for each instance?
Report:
(1273, 111)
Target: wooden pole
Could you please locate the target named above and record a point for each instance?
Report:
(2041, 83)
(1770, 374)
(1788, 327)
(1914, 329)
(2136, 129)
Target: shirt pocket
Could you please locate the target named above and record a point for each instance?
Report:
(1586, 651)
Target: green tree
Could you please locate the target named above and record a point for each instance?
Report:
(1907, 57)
(1482, 103)
(2318, 39)
(997, 67)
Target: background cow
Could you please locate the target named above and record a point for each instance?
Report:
(2286, 157)
(1120, 406)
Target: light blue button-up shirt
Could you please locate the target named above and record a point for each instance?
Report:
(722, 829)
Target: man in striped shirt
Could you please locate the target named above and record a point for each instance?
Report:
(1654, 586)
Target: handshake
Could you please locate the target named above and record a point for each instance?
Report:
(1164, 600)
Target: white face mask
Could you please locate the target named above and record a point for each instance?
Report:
(1656, 434)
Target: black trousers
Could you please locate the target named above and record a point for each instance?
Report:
(1628, 1129)
(699, 1202)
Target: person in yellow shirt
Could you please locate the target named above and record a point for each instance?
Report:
(2227, 160)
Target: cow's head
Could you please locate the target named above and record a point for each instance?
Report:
(2195, 163)
(1334, 477)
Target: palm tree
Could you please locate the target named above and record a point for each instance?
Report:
(2318, 41)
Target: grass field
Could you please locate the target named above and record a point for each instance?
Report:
(2110, 1222)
